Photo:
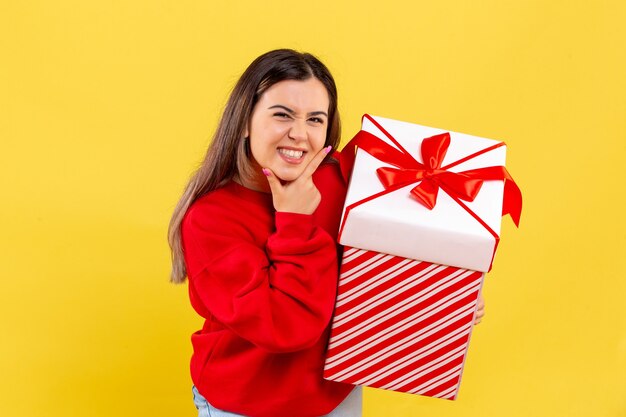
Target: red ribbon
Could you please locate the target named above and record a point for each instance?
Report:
(460, 186)
(431, 176)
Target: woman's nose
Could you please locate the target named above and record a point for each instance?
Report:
(298, 130)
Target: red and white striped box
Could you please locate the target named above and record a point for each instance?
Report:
(420, 227)
(401, 324)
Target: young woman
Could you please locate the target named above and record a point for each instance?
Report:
(255, 232)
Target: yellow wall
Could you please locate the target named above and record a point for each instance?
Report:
(107, 107)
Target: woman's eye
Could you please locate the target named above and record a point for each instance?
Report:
(281, 115)
(317, 120)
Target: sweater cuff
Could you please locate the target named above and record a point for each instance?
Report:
(294, 224)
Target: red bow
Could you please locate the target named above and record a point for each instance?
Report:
(459, 185)
(431, 175)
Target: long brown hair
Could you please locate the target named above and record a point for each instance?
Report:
(228, 154)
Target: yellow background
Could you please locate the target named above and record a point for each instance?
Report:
(107, 107)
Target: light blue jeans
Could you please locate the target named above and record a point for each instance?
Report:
(350, 407)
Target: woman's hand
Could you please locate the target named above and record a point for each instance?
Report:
(480, 310)
(300, 195)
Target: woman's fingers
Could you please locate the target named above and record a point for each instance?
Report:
(315, 162)
(294, 197)
(300, 195)
(480, 310)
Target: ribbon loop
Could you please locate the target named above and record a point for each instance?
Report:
(390, 177)
(434, 149)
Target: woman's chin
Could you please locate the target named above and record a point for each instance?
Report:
(286, 176)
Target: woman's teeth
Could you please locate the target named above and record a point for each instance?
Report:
(291, 153)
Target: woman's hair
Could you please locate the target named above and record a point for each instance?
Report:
(229, 153)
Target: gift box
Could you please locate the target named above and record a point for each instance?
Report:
(401, 324)
(420, 227)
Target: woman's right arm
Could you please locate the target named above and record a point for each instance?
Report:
(278, 295)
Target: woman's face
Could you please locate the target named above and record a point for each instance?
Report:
(288, 127)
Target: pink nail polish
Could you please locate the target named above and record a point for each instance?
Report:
(266, 172)
(328, 148)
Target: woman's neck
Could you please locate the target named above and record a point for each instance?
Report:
(255, 181)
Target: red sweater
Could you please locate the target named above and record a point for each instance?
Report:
(266, 284)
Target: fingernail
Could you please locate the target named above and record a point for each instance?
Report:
(328, 148)
(266, 172)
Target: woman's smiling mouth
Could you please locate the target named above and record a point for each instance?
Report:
(291, 155)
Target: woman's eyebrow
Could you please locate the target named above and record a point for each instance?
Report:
(290, 111)
(280, 106)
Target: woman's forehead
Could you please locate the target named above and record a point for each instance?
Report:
(306, 95)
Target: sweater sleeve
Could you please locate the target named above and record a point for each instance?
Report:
(278, 295)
